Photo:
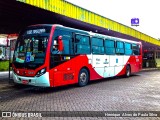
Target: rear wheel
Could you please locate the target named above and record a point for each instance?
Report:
(83, 77)
(128, 71)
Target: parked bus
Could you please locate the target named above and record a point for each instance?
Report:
(54, 55)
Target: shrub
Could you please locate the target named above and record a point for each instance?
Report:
(4, 65)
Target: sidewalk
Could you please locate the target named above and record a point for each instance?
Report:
(150, 69)
(5, 74)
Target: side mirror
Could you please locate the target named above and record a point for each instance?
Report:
(60, 43)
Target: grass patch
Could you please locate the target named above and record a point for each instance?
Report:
(4, 65)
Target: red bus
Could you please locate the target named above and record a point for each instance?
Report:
(54, 55)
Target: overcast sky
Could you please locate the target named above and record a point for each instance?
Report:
(148, 12)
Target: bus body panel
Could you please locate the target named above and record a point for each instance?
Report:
(108, 66)
(42, 81)
(65, 70)
(67, 73)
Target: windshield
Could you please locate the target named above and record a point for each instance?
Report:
(30, 51)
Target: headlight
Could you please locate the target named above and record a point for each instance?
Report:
(41, 72)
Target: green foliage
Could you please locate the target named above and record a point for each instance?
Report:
(4, 65)
(158, 62)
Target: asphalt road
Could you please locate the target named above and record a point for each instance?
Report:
(140, 92)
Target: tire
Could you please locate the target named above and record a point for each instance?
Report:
(128, 71)
(83, 77)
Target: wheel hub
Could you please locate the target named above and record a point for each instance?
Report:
(83, 77)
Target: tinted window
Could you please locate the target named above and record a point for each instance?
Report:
(83, 49)
(97, 50)
(110, 51)
(97, 46)
(67, 42)
(128, 46)
(97, 42)
(120, 44)
(81, 39)
(120, 48)
(109, 43)
(128, 49)
(109, 47)
(136, 50)
(82, 44)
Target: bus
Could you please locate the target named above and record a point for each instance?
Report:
(54, 55)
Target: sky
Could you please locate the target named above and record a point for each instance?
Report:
(123, 11)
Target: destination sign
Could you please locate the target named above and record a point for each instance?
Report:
(36, 31)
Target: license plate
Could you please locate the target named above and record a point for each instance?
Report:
(25, 81)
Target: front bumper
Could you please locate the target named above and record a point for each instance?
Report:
(42, 81)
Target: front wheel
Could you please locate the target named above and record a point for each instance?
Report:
(83, 77)
(128, 71)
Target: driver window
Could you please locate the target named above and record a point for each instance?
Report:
(66, 38)
(55, 47)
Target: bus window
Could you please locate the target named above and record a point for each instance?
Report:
(66, 38)
(66, 44)
(136, 49)
(97, 46)
(119, 48)
(34, 47)
(97, 42)
(109, 47)
(128, 49)
(82, 44)
(81, 39)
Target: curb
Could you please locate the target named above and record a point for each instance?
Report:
(149, 69)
